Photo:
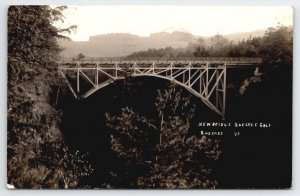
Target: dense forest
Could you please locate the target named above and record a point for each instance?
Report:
(37, 156)
(55, 141)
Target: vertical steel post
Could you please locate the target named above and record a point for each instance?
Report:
(153, 64)
(217, 90)
(200, 82)
(97, 75)
(116, 70)
(78, 78)
(206, 88)
(189, 74)
(224, 89)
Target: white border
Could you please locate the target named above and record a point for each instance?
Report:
(3, 97)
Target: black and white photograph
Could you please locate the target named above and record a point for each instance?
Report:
(149, 97)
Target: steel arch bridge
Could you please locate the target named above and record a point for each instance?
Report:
(205, 79)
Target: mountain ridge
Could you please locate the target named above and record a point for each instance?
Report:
(123, 44)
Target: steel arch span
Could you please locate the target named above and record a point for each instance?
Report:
(204, 79)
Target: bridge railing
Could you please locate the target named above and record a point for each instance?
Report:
(87, 60)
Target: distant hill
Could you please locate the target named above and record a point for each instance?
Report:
(244, 35)
(122, 44)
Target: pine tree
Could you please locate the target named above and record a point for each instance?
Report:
(162, 153)
(37, 154)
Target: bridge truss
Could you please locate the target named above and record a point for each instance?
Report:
(206, 80)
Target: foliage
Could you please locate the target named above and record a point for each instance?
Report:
(201, 51)
(277, 45)
(274, 47)
(37, 154)
(162, 153)
(32, 37)
(79, 57)
(163, 53)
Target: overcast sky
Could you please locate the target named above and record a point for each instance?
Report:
(199, 20)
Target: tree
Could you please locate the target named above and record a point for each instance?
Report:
(162, 153)
(79, 57)
(37, 155)
(197, 48)
(200, 51)
(274, 47)
(277, 46)
(219, 46)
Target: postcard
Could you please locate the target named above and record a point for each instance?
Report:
(149, 97)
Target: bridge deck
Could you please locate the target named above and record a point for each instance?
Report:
(233, 63)
(230, 61)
